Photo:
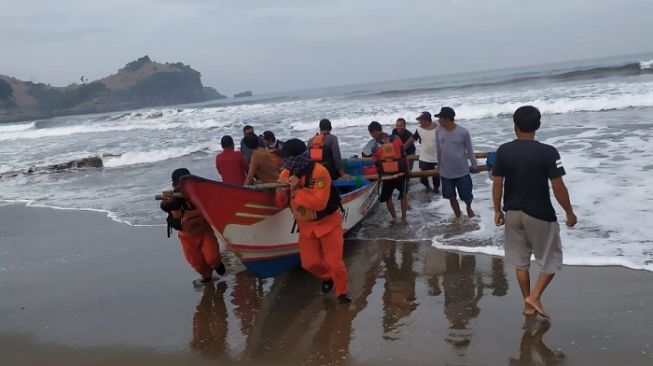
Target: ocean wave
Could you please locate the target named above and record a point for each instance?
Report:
(629, 69)
(151, 156)
(9, 128)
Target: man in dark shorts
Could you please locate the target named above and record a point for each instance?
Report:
(454, 149)
(522, 172)
(392, 168)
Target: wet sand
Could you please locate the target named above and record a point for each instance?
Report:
(77, 288)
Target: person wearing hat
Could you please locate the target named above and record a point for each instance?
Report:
(315, 204)
(231, 164)
(198, 242)
(522, 172)
(428, 160)
(454, 149)
(325, 149)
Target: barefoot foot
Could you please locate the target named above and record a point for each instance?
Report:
(537, 305)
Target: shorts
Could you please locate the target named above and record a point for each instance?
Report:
(463, 185)
(526, 235)
(388, 186)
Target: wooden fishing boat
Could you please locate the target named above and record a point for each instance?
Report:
(263, 236)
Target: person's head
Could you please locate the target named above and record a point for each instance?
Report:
(325, 125)
(295, 157)
(251, 141)
(400, 125)
(424, 119)
(446, 116)
(176, 176)
(248, 130)
(269, 138)
(375, 129)
(227, 142)
(527, 119)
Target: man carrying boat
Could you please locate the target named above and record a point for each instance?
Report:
(315, 203)
(325, 149)
(200, 246)
(392, 169)
(454, 149)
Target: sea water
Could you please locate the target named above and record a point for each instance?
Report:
(598, 113)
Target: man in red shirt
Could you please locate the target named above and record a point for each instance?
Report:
(231, 164)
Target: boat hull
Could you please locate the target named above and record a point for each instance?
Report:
(263, 236)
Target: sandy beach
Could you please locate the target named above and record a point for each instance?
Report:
(77, 288)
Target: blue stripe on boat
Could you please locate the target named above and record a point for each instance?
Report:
(273, 266)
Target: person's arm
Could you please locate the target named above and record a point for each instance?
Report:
(337, 157)
(497, 194)
(252, 170)
(316, 197)
(470, 153)
(437, 148)
(562, 196)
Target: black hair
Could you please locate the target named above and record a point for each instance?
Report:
(227, 141)
(401, 119)
(325, 125)
(527, 118)
(248, 127)
(177, 174)
(374, 126)
(251, 141)
(268, 135)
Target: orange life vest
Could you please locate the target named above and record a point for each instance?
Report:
(390, 158)
(316, 150)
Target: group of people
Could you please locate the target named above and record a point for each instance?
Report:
(522, 173)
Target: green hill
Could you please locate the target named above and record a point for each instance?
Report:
(140, 83)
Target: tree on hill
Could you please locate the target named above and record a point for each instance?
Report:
(6, 91)
(135, 65)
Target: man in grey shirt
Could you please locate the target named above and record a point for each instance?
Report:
(454, 149)
(328, 143)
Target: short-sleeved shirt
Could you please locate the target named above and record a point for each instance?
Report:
(232, 166)
(428, 152)
(404, 136)
(527, 166)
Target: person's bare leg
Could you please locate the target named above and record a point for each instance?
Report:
(455, 206)
(543, 280)
(524, 279)
(391, 209)
(470, 212)
(404, 209)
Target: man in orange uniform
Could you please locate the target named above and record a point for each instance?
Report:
(315, 203)
(198, 241)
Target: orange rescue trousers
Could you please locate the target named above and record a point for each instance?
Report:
(322, 256)
(202, 251)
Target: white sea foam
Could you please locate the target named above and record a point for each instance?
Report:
(150, 156)
(7, 128)
(646, 64)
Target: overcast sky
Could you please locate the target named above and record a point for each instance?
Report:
(268, 45)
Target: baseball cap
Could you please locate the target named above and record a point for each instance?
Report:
(292, 148)
(424, 115)
(446, 112)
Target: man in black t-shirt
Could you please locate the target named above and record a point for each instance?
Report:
(406, 138)
(522, 173)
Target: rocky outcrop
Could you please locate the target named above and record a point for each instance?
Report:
(243, 94)
(140, 83)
